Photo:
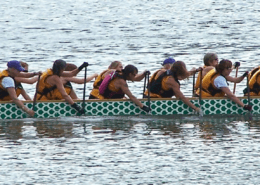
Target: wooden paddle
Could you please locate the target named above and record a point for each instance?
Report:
(248, 90)
(144, 85)
(200, 88)
(148, 88)
(84, 89)
(234, 90)
(193, 85)
(36, 91)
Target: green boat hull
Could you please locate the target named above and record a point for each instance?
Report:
(52, 109)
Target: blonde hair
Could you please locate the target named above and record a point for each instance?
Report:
(114, 65)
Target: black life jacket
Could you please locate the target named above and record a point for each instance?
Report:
(156, 85)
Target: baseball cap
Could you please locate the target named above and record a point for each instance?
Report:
(168, 61)
(15, 64)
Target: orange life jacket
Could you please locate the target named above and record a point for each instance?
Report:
(159, 87)
(111, 91)
(208, 87)
(48, 92)
(197, 84)
(254, 82)
(95, 91)
(4, 95)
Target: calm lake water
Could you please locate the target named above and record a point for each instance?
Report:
(130, 150)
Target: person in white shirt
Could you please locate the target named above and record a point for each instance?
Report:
(214, 84)
(8, 80)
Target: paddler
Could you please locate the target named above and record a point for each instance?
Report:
(214, 84)
(51, 80)
(9, 79)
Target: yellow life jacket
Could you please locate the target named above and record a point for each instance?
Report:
(19, 89)
(254, 82)
(112, 92)
(251, 73)
(95, 92)
(159, 87)
(49, 92)
(4, 95)
(197, 84)
(208, 87)
(152, 79)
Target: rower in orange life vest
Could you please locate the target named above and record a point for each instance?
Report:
(20, 90)
(114, 66)
(117, 87)
(210, 62)
(167, 64)
(214, 84)
(68, 80)
(254, 83)
(166, 84)
(94, 94)
(51, 80)
(9, 78)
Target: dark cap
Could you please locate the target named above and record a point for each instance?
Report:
(15, 64)
(168, 61)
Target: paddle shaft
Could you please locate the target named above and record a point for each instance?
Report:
(36, 91)
(84, 89)
(248, 90)
(148, 87)
(234, 90)
(144, 85)
(200, 87)
(193, 85)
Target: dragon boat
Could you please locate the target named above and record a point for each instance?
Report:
(125, 107)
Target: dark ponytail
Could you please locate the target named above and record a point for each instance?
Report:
(129, 69)
(58, 65)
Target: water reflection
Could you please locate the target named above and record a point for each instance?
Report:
(11, 130)
(15, 130)
(54, 130)
(208, 127)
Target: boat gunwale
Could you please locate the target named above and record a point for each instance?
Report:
(142, 99)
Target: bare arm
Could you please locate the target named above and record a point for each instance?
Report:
(234, 79)
(57, 81)
(192, 71)
(25, 95)
(70, 73)
(139, 77)
(75, 71)
(26, 80)
(176, 88)
(18, 102)
(124, 87)
(79, 80)
(231, 96)
(28, 75)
